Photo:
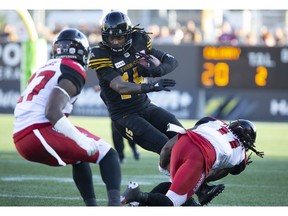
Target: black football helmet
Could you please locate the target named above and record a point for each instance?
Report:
(72, 43)
(117, 24)
(245, 131)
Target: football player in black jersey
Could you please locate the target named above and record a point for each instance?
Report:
(121, 78)
(115, 61)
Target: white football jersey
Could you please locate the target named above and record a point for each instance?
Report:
(229, 151)
(30, 108)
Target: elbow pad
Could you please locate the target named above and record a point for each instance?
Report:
(169, 63)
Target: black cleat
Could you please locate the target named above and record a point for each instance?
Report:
(131, 193)
(206, 193)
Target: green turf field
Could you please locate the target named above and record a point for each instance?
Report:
(22, 183)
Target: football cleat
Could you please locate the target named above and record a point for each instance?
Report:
(131, 193)
(206, 193)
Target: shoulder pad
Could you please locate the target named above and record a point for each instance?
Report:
(100, 58)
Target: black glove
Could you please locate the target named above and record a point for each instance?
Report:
(158, 85)
(151, 71)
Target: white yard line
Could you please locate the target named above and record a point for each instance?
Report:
(39, 197)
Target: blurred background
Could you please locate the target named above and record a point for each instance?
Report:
(245, 27)
(233, 63)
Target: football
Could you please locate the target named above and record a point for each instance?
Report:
(143, 61)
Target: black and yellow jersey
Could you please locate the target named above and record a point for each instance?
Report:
(108, 66)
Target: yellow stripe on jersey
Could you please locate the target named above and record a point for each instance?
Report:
(96, 64)
(149, 45)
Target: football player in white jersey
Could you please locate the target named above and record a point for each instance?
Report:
(209, 151)
(42, 131)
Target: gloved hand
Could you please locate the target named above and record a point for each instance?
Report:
(88, 144)
(163, 171)
(159, 85)
(151, 71)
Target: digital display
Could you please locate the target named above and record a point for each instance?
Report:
(244, 67)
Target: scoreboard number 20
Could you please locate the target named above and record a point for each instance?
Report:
(247, 67)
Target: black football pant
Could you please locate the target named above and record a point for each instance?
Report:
(119, 145)
(148, 128)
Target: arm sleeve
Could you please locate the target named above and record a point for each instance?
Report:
(168, 62)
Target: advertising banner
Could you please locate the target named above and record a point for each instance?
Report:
(10, 72)
(222, 81)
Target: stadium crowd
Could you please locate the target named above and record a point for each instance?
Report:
(189, 33)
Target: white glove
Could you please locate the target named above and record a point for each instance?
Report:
(88, 144)
(163, 171)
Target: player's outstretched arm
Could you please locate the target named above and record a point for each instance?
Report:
(122, 87)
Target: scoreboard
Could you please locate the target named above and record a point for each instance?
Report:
(240, 67)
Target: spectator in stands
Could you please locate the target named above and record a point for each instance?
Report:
(154, 29)
(227, 35)
(266, 37)
(165, 36)
(8, 34)
(280, 39)
(192, 34)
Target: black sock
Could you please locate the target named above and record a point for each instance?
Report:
(114, 198)
(111, 175)
(90, 202)
(82, 176)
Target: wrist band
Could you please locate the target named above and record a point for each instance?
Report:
(64, 126)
